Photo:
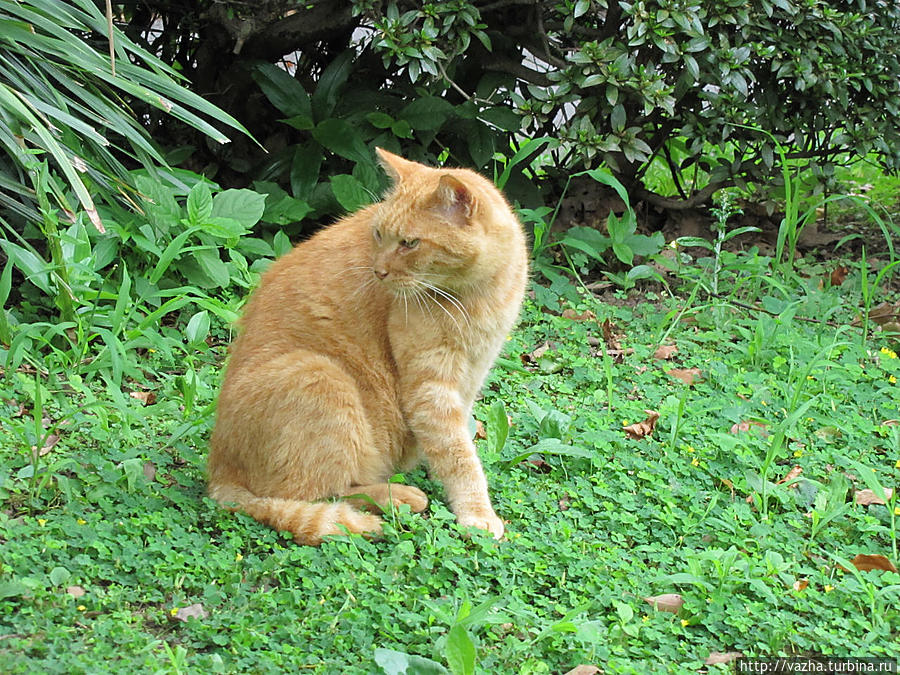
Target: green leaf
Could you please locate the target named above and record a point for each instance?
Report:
(244, 206)
(617, 118)
(281, 244)
(223, 228)
(393, 662)
(349, 192)
(283, 91)
(460, 651)
(380, 120)
(497, 427)
(305, 170)
(197, 328)
(212, 266)
(199, 203)
(334, 77)
(59, 575)
(623, 252)
(426, 113)
(504, 118)
(342, 139)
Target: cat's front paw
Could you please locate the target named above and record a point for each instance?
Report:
(483, 521)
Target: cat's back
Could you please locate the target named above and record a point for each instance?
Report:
(320, 296)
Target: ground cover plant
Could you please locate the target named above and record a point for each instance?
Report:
(689, 470)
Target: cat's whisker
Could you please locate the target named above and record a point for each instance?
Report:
(439, 304)
(452, 299)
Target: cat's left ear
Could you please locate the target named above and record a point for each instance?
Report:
(453, 200)
(394, 166)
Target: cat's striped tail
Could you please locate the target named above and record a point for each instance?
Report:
(307, 521)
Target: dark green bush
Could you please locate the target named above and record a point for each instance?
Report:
(643, 87)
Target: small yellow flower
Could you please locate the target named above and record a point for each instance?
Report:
(173, 611)
(810, 377)
(645, 618)
(890, 353)
(690, 448)
(673, 243)
(764, 403)
(81, 521)
(695, 462)
(238, 557)
(798, 453)
(42, 521)
(625, 423)
(897, 465)
(828, 588)
(81, 608)
(892, 379)
(684, 623)
(897, 510)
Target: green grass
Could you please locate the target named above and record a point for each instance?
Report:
(597, 521)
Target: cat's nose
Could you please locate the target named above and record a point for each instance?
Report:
(381, 274)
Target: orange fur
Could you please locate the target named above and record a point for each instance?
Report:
(362, 350)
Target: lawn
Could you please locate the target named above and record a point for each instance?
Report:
(744, 504)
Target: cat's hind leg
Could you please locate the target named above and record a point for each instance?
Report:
(292, 431)
(378, 496)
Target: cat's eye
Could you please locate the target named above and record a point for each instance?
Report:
(377, 235)
(409, 243)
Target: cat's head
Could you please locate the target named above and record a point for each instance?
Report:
(448, 228)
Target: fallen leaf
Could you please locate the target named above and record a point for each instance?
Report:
(686, 375)
(196, 610)
(746, 426)
(885, 313)
(145, 397)
(586, 315)
(791, 475)
(867, 497)
(564, 504)
(800, 584)
(665, 352)
(864, 562)
(149, 471)
(667, 602)
(584, 670)
(49, 442)
(611, 335)
(645, 428)
(722, 657)
(890, 423)
(838, 275)
(75, 591)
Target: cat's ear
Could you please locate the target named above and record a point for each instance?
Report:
(453, 200)
(394, 166)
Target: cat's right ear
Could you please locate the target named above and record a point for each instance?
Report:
(394, 166)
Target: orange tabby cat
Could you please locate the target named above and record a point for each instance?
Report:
(362, 350)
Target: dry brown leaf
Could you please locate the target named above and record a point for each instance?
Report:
(149, 470)
(479, 430)
(49, 442)
(890, 423)
(586, 315)
(665, 352)
(645, 428)
(145, 397)
(564, 504)
(746, 426)
(686, 375)
(584, 670)
(885, 313)
(791, 475)
(75, 591)
(800, 584)
(864, 562)
(722, 657)
(667, 602)
(196, 610)
(839, 275)
(611, 335)
(867, 497)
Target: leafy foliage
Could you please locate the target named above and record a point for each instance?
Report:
(643, 87)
